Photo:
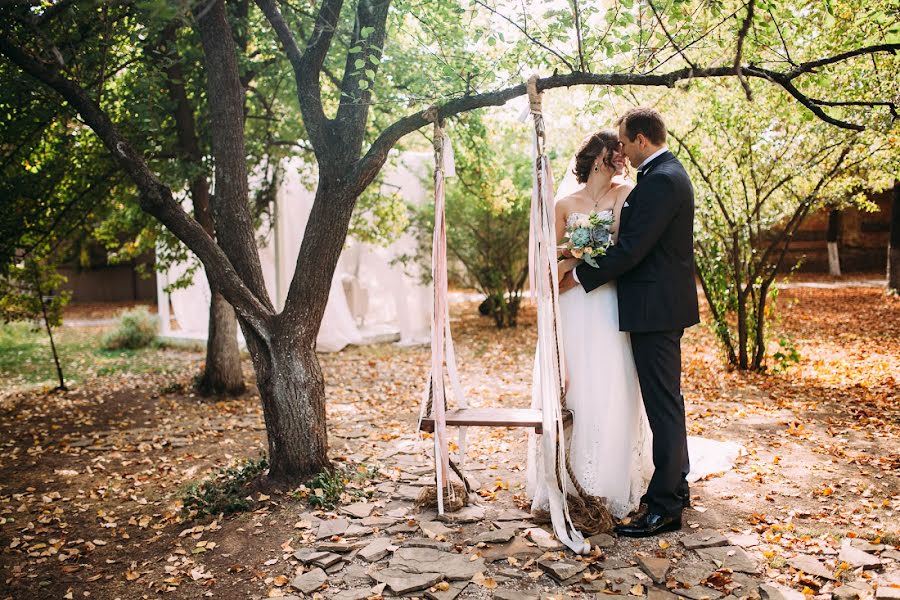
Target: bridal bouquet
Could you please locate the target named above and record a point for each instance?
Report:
(588, 236)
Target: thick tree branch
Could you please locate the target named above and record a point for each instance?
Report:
(810, 66)
(155, 198)
(368, 166)
(307, 65)
(371, 17)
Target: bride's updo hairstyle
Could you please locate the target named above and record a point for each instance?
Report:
(591, 148)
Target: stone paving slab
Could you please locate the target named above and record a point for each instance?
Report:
(428, 560)
(731, 557)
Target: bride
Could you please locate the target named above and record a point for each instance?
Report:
(610, 449)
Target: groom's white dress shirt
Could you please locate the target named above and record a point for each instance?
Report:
(640, 169)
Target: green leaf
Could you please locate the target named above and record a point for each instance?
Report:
(363, 84)
(370, 74)
(365, 32)
(374, 60)
(354, 50)
(359, 63)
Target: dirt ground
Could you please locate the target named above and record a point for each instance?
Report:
(91, 479)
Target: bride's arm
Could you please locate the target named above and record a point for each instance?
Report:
(561, 214)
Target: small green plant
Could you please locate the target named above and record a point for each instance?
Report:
(225, 492)
(136, 329)
(786, 356)
(327, 489)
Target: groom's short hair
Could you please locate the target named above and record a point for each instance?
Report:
(646, 120)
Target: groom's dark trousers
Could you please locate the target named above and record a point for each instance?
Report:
(652, 263)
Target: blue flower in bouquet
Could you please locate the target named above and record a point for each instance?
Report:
(580, 237)
(600, 236)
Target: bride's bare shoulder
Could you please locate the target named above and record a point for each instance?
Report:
(566, 202)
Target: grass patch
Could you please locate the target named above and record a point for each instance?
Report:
(26, 359)
(227, 491)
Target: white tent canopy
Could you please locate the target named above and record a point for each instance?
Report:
(371, 299)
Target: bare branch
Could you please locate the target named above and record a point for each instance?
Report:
(742, 34)
(669, 36)
(581, 65)
(787, 53)
(530, 37)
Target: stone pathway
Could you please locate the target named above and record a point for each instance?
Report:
(386, 547)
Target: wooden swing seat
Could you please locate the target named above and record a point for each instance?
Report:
(494, 417)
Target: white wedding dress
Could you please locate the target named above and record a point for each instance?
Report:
(609, 441)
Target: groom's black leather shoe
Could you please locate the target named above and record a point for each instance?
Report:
(649, 524)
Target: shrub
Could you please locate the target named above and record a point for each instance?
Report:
(136, 329)
(227, 491)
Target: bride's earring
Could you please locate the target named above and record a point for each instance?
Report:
(596, 168)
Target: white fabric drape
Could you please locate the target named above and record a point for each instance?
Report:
(372, 296)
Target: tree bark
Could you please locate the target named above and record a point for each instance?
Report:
(222, 370)
(893, 262)
(292, 390)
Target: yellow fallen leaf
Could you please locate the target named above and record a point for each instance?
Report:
(636, 590)
(280, 580)
(664, 544)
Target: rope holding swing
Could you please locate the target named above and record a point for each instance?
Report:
(442, 348)
(581, 512)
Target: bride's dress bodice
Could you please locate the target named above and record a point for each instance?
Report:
(574, 216)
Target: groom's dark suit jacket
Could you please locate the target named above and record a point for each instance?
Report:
(652, 261)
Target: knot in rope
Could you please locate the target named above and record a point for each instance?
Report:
(534, 97)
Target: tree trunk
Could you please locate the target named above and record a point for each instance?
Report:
(292, 390)
(222, 370)
(759, 353)
(288, 376)
(834, 230)
(222, 373)
(40, 296)
(893, 262)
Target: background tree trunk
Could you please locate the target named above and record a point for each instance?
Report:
(222, 369)
(893, 262)
(832, 238)
(222, 373)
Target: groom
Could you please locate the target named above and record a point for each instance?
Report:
(652, 263)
